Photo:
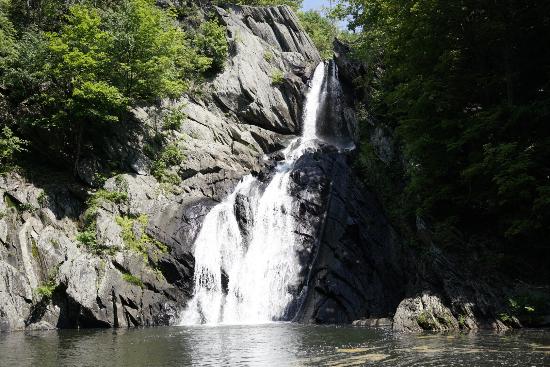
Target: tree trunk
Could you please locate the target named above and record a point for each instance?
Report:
(79, 132)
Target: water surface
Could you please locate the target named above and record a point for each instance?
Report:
(280, 344)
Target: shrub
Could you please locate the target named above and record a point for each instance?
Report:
(173, 119)
(321, 31)
(170, 156)
(9, 146)
(46, 290)
(211, 42)
(139, 241)
(277, 77)
(294, 4)
(71, 82)
(88, 237)
(132, 279)
(268, 56)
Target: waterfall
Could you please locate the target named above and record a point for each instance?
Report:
(246, 276)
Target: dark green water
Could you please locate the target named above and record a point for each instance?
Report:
(271, 345)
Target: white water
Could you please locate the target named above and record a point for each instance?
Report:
(262, 267)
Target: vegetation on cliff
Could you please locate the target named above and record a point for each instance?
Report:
(294, 4)
(321, 29)
(465, 86)
(67, 71)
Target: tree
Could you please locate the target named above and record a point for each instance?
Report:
(10, 145)
(294, 4)
(321, 30)
(149, 56)
(82, 91)
(67, 84)
(211, 42)
(6, 33)
(465, 84)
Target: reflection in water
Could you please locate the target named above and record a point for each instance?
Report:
(279, 344)
(265, 345)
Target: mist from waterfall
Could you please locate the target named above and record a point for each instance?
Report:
(245, 276)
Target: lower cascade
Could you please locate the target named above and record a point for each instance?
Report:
(249, 273)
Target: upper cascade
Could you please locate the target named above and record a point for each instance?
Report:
(251, 272)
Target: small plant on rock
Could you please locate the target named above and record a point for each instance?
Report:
(277, 77)
(132, 279)
(88, 237)
(170, 156)
(46, 290)
(268, 56)
(135, 238)
(425, 321)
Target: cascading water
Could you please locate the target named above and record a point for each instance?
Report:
(244, 278)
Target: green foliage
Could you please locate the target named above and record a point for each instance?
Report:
(88, 239)
(66, 83)
(150, 54)
(426, 321)
(211, 42)
(528, 306)
(462, 322)
(277, 77)
(34, 250)
(17, 205)
(116, 197)
(47, 289)
(384, 179)
(173, 119)
(97, 199)
(88, 236)
(10, 203)
(45, 14)
(7, 33)
(294, 4)
(42, 199)
(170, 156)
(321, 30)
(135, 238)
(132, 279)
(465, 86)
(80, 67)
(268, 56)
(10, 145)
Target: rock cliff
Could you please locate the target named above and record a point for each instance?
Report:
(136, 265)
(119, 252)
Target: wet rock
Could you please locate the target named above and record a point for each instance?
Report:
(425, 312)
(382, 322)
(357, 270)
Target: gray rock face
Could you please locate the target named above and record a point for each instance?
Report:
(357, 270)
(357, 266)
(142, 271)
(266, 41)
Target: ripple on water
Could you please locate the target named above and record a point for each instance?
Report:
(277, 345)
